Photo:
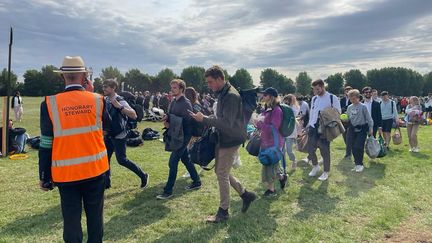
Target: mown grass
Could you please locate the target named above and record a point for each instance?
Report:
(349, 207)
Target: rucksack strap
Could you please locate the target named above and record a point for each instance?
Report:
(331, 100)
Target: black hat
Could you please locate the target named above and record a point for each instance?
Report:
(271, 91)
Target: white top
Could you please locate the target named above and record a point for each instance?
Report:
(296, 111)
(320, 103)
(428, 103)
(368, 104)
(17, 101)
(304, 108)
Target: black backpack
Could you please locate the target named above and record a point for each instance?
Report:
(131, 99)
(118, 121)
(249, 99)
(134, 142)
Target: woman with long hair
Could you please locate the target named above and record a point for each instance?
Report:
(413, 115)
(291, 101)
(270, 120)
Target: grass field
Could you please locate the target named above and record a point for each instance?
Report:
(390, 201)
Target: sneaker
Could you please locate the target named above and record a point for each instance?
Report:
(269, 193)
(324, 176)
(248, 198)
(416, 150)
(193, 186)
(314, 170)
(222, 215)
(355, 168)
(283, 181)
(294, 165)
(164, 196)
(145, 181)
(359, 168)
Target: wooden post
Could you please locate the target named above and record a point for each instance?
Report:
(5, 119)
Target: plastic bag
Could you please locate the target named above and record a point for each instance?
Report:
(372, 147)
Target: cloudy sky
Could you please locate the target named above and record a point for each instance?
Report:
(320, 37)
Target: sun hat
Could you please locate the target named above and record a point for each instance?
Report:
(72, 65)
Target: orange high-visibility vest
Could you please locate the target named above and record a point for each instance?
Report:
(78, 150)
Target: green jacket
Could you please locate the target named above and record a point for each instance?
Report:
(229, 118)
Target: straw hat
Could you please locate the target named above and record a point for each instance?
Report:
(72, 65)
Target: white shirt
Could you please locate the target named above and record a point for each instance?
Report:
(368, 104)
(294, 134)
(320, 103)
(304, 108)
(17, 101)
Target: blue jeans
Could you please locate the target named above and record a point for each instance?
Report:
(289, 143)
(183, 155)
(119, 147)
(21, 142)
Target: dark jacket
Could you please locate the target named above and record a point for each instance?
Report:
(376, 113)
(343, 104)
(229, 122)
(181, 108)
(46, 127)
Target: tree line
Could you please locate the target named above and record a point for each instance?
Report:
(396, 80)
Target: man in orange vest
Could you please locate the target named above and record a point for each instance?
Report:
(72, 152)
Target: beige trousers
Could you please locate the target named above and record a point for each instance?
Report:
(224, 161)
(412, 130)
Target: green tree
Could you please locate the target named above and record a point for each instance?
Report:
(32, 83)
(398, 81)
(303, 83)
(242, 79)
(137, 80)
(162, 80)
(194, 77)
(355, 79)
(427, 80)
(271, 78)
(97, 84)
(52, 82)
(3, 82)
(335, 83)
(111, 72)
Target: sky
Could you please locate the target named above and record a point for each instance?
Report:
(320, 37)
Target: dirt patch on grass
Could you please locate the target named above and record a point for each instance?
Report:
(410, 231)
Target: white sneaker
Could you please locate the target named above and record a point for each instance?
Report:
(359, 168)
(314, 170)
(416, 150)
(355, 168)
(324, 176)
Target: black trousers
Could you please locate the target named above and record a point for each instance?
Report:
(356, 140)
(314, 142)
(119, 147)
(73, 197)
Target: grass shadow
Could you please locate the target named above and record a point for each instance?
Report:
(357, 183)
(143, 210)
(315, 201)
(255, 225)
(34, 225)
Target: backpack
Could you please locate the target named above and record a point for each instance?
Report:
(138, 108)
(149, 134)
(288, 121)
(118, 121)
(134, 142)
(249, 100)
